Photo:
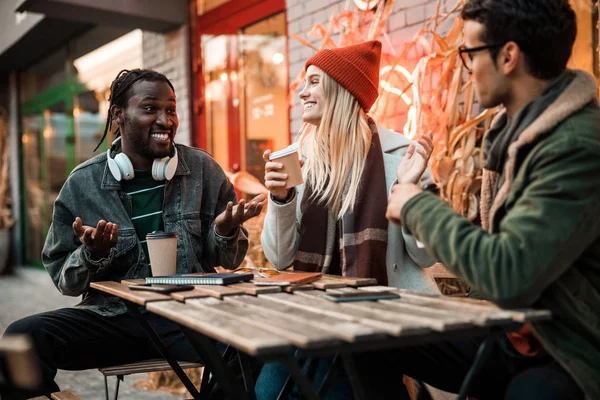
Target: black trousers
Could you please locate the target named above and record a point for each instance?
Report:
(505, 375)
(77, 339)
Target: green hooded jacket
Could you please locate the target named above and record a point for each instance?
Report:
(540, 242)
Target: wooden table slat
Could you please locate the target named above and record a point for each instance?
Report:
(188, 294)
(254, 290)
(65, 395)
(347, 330)
(396, 325)
(437, 321)
(421, 306)
(129, 282)
(246, 337)
(494, 314)
(304, 336)
(295, 288)
(218, 291)
(517, 315)
(138, 297)
(353, 282)
(324, 283)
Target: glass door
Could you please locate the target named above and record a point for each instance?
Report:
(264, 111)
(61, 127)
(89, 122)
(35, 207)
(244, 94)
(47, 155)
(218, 81)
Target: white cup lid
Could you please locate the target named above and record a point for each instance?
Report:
(292, 148)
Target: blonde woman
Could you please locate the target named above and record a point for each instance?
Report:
(335, 222)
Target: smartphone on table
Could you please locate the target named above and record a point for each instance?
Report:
(161, 288)
(361, 296)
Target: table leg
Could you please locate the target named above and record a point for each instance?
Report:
(211, 357)
(246, 374)
(285, 390)
(133, 309)
(313, 364)
(482, 353)
(208, 381)
(327, 377)
(353, 376)
(287, 386)
(306, 389)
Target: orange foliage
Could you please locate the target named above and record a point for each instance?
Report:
(423, 88)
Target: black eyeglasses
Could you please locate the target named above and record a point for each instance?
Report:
(466, 53)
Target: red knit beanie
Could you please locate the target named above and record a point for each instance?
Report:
(356, 68)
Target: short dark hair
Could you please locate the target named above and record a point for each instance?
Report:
(545, 30)
(119, 91)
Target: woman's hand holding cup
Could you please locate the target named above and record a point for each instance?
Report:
(275, 180)
(283, 171)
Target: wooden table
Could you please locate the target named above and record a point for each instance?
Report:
(271, 323)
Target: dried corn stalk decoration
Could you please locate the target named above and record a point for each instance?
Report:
(423, 88)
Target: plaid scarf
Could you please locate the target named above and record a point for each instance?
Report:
(363, 232)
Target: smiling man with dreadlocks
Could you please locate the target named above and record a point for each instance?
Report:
(144, 182)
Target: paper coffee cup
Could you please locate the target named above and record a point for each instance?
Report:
(162, 249)
(291, 165)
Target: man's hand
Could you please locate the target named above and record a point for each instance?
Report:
(98, 241)
(401, 194)
(234, 216)
(415, 160)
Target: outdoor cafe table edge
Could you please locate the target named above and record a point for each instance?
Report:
(252, 328)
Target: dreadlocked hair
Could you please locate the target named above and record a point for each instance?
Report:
(118, 92)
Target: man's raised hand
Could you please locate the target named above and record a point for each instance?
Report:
(97, 240)
(234, 216)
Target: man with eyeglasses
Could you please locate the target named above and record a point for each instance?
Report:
(539, 244)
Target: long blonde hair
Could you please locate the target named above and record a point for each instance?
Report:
(335, 152)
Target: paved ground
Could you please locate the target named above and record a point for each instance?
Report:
(30, 291)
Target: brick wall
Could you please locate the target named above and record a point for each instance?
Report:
(169, 54)
(404, 22)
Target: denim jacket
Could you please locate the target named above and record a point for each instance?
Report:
(198, 193)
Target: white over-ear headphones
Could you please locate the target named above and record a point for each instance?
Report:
(122, 169)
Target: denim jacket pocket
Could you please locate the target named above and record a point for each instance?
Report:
(127, 241)
(197, 229)
(126, 257)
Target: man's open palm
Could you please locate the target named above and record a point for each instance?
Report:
(98, 240)
(234, 216)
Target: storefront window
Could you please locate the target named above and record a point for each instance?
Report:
(264, 72)
(245, 94)
(56, 126)
(217, 81)
(32, 169)
(89, 125)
